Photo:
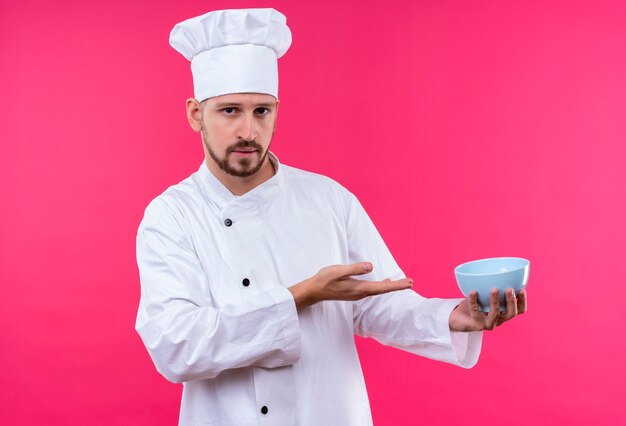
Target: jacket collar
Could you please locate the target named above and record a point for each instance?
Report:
(258, 197)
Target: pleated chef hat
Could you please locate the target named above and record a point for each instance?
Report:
(233, 51)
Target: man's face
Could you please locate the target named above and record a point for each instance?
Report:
(237, 131)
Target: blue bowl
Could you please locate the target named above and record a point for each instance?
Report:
(486, 274)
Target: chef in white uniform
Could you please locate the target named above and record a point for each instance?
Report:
(255, 276)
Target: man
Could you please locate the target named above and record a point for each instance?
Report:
(255, 275)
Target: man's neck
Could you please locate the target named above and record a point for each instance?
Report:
(240, 185)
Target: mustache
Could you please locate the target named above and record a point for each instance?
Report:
(244, 144)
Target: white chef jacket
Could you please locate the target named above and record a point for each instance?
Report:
(216, 315)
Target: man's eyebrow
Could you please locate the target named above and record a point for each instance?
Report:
(227, 104)
(237, 104)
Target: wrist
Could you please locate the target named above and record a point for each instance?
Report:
(303, 294)
(454, 321)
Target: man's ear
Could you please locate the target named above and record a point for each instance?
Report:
(194, 114)
(276, 117)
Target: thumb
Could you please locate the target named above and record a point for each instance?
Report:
(358, 268)
(345, 271)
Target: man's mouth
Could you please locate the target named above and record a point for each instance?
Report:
(245, 151)
(245, 147)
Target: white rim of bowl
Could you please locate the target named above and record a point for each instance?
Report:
(456, 270)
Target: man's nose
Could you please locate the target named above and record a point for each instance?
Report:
(247, 129)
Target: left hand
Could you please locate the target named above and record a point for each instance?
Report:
(468, 317)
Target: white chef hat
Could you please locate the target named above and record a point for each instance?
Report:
(233, 51)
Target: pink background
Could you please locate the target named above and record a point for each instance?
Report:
(468, 129)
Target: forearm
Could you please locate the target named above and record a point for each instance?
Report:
(187, 342)
(419, 325)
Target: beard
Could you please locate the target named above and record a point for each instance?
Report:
(243, 167)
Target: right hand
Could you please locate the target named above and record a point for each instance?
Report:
(337, 283)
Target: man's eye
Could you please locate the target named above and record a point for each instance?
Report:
(261, 111)
(229, 111)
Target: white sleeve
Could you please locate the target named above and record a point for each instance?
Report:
(186, 337)
(403, 319)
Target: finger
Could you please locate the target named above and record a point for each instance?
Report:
(494, 309)
(522, 302)
(511, 307)
(371, 288)
(474, 309)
